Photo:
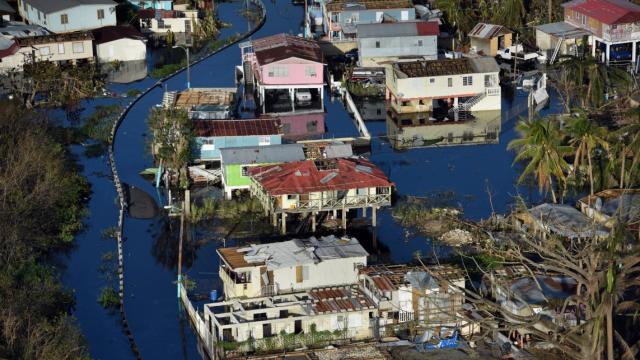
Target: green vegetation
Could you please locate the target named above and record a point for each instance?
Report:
(172, 140)
(361, 90)
(284, 341)
(41, 209)
(44, 83)
(109, 298)
(133, 92)
(167, 70)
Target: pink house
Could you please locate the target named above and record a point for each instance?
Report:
(302, 126)
(288, 72)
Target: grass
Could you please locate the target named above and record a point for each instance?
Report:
(109, 298)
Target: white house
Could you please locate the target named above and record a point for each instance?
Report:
(62, 16)
(342, 311)
(289, 266)
(383, 42)
(163, 21)
(59, 48)
(119, 43)
(449, 85)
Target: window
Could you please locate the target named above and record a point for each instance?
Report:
(584, 20)
(278, 71)
(310, 71)
(419, 42)
(60, 48)
(100, 14)
(64, 19)
(467, 80)
(377, 44)
(244, 171)
(450, 82)
(489, 81)
(45, 50)
(432, 81)
(264, 140)
(208, 144)
(404, 15)
(78, 47)
(292, 197)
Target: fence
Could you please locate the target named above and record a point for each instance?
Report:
(362, 128)
(120, 191)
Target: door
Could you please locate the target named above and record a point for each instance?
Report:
(404, 15)
(266, 330)
(297, 326)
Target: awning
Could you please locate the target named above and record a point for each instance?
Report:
(563, 29)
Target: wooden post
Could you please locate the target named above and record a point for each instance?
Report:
(373, 216)
(313, 222)
(283, 229)
(274, 219)
(364, 212)
(335, 213)
(344, 218)
(187, 201)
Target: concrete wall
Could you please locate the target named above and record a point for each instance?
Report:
(413, 90)
(325, 273)
(212, 151)
(84, 17)
(298, 72)
(121, 50)
(302, 126)
(394, 47)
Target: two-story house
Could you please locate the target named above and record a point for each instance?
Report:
(343, 16)
(213, 135)
(58, 48)
(323, 185)
(69, 15)
(290, 266)
(383, 42)
(447, 85)
(612, 28)
(288, 72)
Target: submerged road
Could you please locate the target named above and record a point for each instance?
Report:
(468, 173)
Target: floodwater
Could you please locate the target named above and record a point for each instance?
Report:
(467, 172)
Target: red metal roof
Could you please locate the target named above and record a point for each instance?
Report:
(283, 46)
(303, 177)
(211, 128)
(607, 11)
(12, 49)
(428, 28)
(151, 13)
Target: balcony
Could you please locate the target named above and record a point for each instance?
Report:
(332, 203)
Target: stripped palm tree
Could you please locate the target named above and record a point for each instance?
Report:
(585, 138)
(540, 143)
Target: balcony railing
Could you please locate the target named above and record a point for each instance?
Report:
(339, 203)
(269, 290)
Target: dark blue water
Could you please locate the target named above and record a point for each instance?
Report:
(150, 248)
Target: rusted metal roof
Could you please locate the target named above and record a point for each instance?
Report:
(340, 299)
(607, 11)
(205, 96)
(252, 127)
(308, 176)
(488, 31)
(283, 46)
(235, 258)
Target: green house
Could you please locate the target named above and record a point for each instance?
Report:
(235, 162)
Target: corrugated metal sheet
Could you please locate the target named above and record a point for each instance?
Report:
(487, 31)
(214, 128)
(563, 29)
(607, 11)
(283, 46)
(398, 29)
(340, 299)
(262, 154)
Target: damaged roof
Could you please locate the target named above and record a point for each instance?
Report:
(293, 252)
(307, 176)
(354, 5)
(488, 31)
(444, 67)
(565, 220)
(283, 46)
(340, 299)
(610, 12)
(398, 29)
(249, 127)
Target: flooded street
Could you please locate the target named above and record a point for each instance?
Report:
(468, 173)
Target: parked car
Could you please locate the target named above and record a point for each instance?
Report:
(303, 97)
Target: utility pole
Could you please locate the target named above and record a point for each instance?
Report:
(186, 49)
(180, 251)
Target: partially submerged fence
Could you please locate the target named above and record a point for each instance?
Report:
(121, 196)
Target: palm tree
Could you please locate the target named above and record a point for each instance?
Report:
(540, 142)
(630, 133)
(455, 14)
(585, 138)
(510, 13)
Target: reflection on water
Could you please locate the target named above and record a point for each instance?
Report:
(372, 108)
(128, 72)
(414, 130)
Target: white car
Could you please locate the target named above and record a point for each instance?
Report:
(303, 97)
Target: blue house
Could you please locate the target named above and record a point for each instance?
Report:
(213, 135)
(70, 15)
(155, 4)
(342, 16)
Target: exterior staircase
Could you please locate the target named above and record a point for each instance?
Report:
(467, 105)
(168, 99)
